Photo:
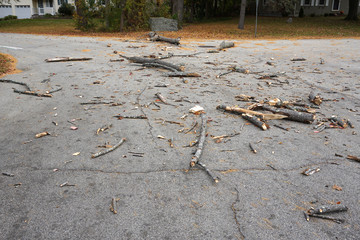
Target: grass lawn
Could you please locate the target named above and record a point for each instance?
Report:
(268, 28)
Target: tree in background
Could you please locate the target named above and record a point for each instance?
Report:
(353, 10)
(286, 7)
(242, 14)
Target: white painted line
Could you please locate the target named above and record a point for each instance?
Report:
(16, 48)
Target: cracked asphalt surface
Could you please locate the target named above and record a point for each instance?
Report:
(259, 196)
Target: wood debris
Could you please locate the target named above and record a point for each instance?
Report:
(67, 59)
(120, 117)
(310, 171)
(103, 129)
(263, 116)
(113, 206)
(316, 99)
(291, 114)
(298, 59)
(355, 158)
(202, 137)
(163, 99)
(182, 74)
(8, 174)
(225, 44)
(255, 120)
(109, 149)
(154, 63)
(156, 37)
(42, 134)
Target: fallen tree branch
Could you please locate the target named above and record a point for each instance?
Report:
(153, 62)
(156, 37)
(195, 159)
(67, 59)
(337, 220)
(292, 115)
(213, 177)
(15, 82)
(32, 93)
(256, 121)
(120, 117)
(263, 116)
(328, 209)
(109, 149)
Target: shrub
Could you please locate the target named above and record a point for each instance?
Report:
(312, 15)
(326, 15)
(66, 9)
(48, 15)
(10, 17)
(301, 13)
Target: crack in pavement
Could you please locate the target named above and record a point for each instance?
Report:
(143, 112)
(237, 200)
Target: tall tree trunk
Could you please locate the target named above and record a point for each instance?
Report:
(180, 11)
(107, 14)
(242, 14)
(353, 10)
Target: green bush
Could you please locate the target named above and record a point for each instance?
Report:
(66, 9)
(301, 13)
(10, 17)
(312, 15)
(48, 15)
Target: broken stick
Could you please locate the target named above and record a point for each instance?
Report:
(32, 93)
(182, 74)
(328, 209)
(113, 205)
(109, 150)
(214, 178)
(195, 159)
(156, 37)
(291, 114)
(67, 59)
(247, 111)
(256, 121)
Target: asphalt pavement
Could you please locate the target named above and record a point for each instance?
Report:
(58, 191)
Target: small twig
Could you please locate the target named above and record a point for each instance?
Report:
(32, 93)
(131, 117)
(113, 205)
(93, 103)
(252, 148)
(8, 174)
(15, 82)
(337, 220)
(109, 150)
(281, 127)
(192, 127)
(200, 147)
(214, 178)
(158, 65)
(55, 90)
(162, 99)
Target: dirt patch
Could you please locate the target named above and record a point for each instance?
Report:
(7, 65)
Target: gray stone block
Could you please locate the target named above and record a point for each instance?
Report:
(163, 24)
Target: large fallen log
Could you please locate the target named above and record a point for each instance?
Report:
(67, 59)
(263, 116)
(156, 37)
(292, 115)
(154, 63)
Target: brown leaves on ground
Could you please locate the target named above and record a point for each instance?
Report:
(7, 64)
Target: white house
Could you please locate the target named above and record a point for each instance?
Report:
(28, 8)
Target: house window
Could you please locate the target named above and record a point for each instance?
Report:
(336, 5)
(321, 2)
(307, 2)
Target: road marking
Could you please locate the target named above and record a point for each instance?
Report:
(16, 48)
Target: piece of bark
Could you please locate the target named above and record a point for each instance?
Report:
(316, 99)
(156, 37)
(328, 209)
(224, 44)
(67, 59)
(109, 149)
(292, 115)
(195, 159)
(256, 121)
(153, 62)
(182, 74)
(263, 116)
